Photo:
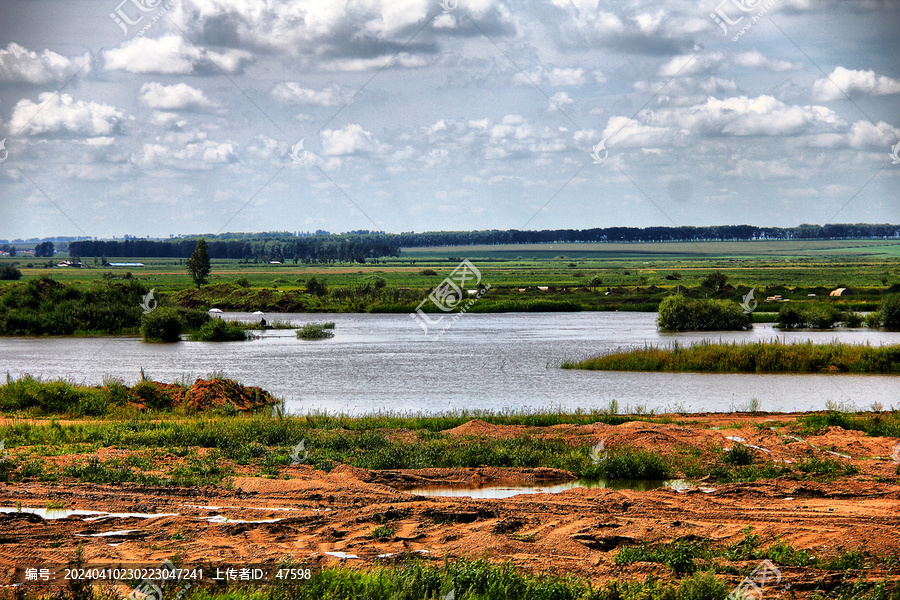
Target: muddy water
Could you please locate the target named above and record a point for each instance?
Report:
(483, 362)
(507, 491)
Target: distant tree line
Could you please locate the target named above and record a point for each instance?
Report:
(362, 245)
(320, 249)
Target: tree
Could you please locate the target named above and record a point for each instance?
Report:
(594, 283)
(44, 250)
(10, 274)
(316, 288)
(889, 312)
(716, 281)
(198, 264)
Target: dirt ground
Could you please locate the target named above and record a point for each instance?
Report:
(308, 514)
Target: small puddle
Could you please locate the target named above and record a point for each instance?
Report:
(95, 515)
(507, 491)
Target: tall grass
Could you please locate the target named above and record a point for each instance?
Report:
(316, 331)
(756, 357)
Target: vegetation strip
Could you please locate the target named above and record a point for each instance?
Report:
(755, 357)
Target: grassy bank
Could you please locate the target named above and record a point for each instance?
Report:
(212, 446)
(756, 357)
(29, 396)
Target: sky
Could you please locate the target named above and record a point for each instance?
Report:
(162, 117)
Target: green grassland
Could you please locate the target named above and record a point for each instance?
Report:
(637, 276)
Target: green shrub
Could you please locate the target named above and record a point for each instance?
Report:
(242, 282)
(219, 330)
(739, 454)
(315, 331)
(703, 586)
(161, 325)
(150, 394)
(677, 313)
(628, 463)
(10, 274)
(889, 312)
(818, 315)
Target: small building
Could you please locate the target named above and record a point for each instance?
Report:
(841, 292)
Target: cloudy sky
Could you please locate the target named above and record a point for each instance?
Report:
(158, 117)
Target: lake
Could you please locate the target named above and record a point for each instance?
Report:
(484, 361)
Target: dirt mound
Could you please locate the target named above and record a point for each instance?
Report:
(479, 427)
(205, 395)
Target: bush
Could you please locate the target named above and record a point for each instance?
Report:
(889, 312)
(219, 330)
(316, 331)
(10, 274)
(739, 454)
(161, 325)
(819, 315)
(702, 586)
(242, 282)
(677, 313)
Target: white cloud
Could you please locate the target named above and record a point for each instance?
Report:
(559, 100)
(851, 82)
(758, 60)
(293, 93)
(864, 135)
(20, 65)
(743, 116)
(352, 139)
(186, 151)
(347, 28)
(180, 96)
(691, 64)
(404, 60)
(172, 55)
(60, 113)
(556, 77)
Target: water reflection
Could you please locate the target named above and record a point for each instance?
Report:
(509, 490)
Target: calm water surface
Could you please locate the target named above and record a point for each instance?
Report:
(491, 362)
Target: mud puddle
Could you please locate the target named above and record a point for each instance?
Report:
(508, 490)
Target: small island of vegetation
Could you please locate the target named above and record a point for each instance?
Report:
(757, 357)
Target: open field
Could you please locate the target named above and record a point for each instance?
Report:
(817, 499)
(637, 276)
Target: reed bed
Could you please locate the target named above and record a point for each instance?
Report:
(756, 357)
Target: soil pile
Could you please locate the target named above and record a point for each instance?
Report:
(206, 395)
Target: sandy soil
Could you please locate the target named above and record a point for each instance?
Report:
(308, 513)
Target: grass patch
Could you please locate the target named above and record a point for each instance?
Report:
(756, 357)
(678, 556)
(628, 463)
(219, 330)
(316, 331)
